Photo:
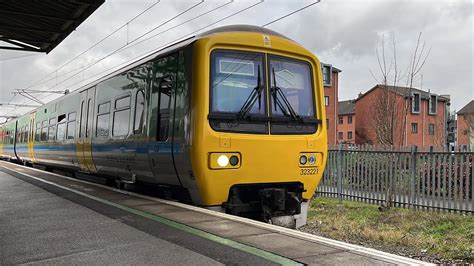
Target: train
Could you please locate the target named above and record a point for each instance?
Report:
(231, 119)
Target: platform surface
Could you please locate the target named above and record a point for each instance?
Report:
(50, 219)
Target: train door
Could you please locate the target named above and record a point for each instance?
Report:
(31, 137)
(162, 100)
(84, 140)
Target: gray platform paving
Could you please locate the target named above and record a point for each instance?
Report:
(83, 231)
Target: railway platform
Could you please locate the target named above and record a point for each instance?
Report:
(48, 218)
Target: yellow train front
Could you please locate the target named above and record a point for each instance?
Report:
(259, 141)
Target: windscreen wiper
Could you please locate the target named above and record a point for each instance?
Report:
(255, 95)
(276, 91)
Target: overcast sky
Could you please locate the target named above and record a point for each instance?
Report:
(344, 33)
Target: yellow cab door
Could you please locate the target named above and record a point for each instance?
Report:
(84, 140)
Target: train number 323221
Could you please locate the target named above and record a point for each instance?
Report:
(309, 171)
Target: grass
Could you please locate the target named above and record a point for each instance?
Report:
(432, 236)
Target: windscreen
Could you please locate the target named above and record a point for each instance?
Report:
(234, 75)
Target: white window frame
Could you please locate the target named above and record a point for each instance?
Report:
(329, 68)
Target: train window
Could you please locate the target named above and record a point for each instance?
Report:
(44, 130)
(61, 131)
(122, 102)
(121, 122)
(52, 129)
(38, 131)
(103, 108)
(89, 116)
(234, 76)
(103, 118)
(139, 111)
(71, 126)
(81, 119)
(121, 116)
(72, 116)
(165, 95)
(62, 118)
(61, 127)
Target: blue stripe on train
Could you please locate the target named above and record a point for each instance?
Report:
(118, 147)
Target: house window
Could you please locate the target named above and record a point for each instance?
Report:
(327, 124)
(349, 135)
(349, 119)
(415, 103)
(414, 127)
(326, 100)
(432, 104)
(340, 135)
(341, 120)
(326, 75)
(431, 129)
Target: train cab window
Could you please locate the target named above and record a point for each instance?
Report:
(103, 117)
(121, 120)
(139, 112)
(38, 132)
(61, 127)
(44, 130)
(71, 126)
(52, 129)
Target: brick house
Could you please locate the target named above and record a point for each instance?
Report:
(465, 127)
(331, 90)
(419, 117)
(346, 122)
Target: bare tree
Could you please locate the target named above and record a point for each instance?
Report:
(390, 113)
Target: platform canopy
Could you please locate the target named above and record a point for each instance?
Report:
(40, 25)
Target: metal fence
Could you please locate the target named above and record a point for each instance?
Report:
(430, 178)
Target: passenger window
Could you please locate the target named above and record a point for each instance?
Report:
(139, 112)
(81, 132)
(166, 85)
(121, 117)
(71, 126)
(44, 130)
(103, 117)
(52, 129)
(38, 131)
(61, 133)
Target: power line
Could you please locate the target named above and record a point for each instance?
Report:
(173, 41)
(123, 46)
(131, 44)
(97, 43)
(289, 14)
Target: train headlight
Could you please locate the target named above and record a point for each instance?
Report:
(310, 159)
(303, 159)
(222, 160)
